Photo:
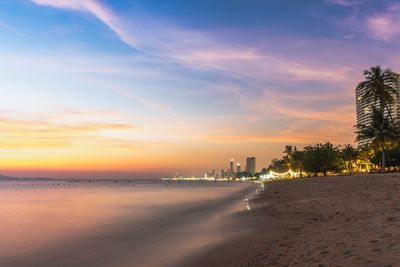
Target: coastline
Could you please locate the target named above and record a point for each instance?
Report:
(322, 221)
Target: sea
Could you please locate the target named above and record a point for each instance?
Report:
(114, 223)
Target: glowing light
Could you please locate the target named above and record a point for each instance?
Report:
(276, 175)
(247, 203)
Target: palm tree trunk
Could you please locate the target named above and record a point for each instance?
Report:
(383, 158)
(351, 166)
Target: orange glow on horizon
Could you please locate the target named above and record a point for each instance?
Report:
(78, 146)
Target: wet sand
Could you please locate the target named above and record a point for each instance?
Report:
(323, 221)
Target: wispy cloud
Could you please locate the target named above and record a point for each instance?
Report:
(297, 134)
(7, 27)
(204, 50)
(344, 2)
(56, 130)
(299, 90)
(95, 8)
(385, 26)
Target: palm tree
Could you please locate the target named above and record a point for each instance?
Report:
(380, 132)
(349, 154)
(288, 158)
(379, 87)
(298, 158)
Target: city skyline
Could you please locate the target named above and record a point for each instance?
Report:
(101, 88)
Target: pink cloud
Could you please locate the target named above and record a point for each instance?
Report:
(198, 49)
(385, 26)
(205, 50)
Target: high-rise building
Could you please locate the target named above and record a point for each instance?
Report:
(222, 173)
(238, 168)
(251, 165)
(231, 169)
(364, 106)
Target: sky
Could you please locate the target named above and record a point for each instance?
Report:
(147, 88)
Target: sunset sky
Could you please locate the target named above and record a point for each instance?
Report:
(147, 88)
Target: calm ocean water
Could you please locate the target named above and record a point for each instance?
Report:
(60, 223)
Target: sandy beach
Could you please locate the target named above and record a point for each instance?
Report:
(323, 221)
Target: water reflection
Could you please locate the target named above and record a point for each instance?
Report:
(85, 224)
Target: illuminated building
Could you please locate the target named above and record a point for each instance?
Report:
(364, 106)
(251, 165)
(231, 169)
(238, 169)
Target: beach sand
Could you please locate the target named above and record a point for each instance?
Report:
(322, 221)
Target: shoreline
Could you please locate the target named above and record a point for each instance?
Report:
(319, 221)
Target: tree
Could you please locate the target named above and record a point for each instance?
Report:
(244, 174)
(379, 87)
(297, 161)
(288, 158)
(392, 157)
(349, 154)
(321, 158)
(280, 166)
(381, 131)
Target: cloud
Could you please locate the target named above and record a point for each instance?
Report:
(344, 2)
(59, 130)
(385, 26)
(145, 34)
(7, 27)
(97, 9)
(196, 49)
(253, 77)
(302, 130)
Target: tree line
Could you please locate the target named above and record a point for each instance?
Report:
(315, 159)
(380, 134)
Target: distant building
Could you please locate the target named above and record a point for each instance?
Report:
(222, 173)
(231, 173)
(251, 165)
(364, 106)
(238, 168)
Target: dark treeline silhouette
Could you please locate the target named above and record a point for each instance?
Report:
(315, 159)
(380, 136)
